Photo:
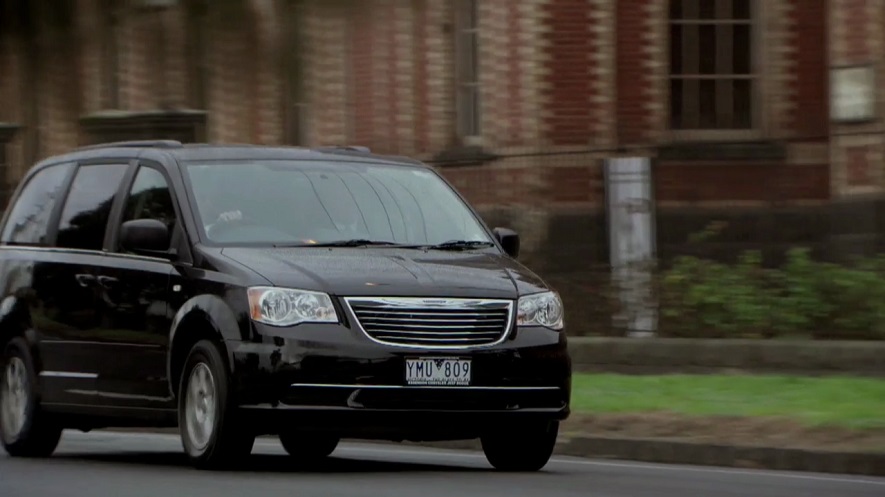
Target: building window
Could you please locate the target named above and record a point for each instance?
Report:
(711, 65)
(467, 99)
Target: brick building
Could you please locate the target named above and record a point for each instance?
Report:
(518, 101)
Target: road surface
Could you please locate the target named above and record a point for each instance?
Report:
(135, 464)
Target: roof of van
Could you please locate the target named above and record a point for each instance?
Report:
(234, 151)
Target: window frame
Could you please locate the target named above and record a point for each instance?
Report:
(459, 27)
(759, 77)
(54, 215)
(178, 237)
(52, 236)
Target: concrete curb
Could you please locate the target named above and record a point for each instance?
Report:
(676, 452)
(771, 458)
(700, 454)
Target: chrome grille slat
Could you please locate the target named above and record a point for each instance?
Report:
(436, 333)
(432, 323)
(441, 328)
(436, 315)
(434, 340)
(486, 321)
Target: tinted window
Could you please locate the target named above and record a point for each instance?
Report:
(150, 198)
(301, 201)
(30, 215)
(88, 206)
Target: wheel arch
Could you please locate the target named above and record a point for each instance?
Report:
(202, 317)
(15, 321)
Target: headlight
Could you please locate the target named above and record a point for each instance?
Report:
(288, 307)
(542, 309)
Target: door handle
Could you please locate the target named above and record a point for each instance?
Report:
(85, 280)
(107, 281)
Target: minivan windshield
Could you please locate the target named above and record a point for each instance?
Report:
(297, 202)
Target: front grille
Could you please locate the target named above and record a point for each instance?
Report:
(433, 323)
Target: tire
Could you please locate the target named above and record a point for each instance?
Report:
(25, 429)
(210, 432)
(521, 448)
(306, 447)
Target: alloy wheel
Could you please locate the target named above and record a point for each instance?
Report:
(14, 397)
(201, 410)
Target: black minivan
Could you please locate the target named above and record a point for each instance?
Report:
(235, 291)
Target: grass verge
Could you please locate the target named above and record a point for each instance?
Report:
(844, 402)
(825, 414)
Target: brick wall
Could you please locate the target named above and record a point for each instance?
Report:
(808, 65)
(11, 112)
(9, 67)
(512, 93)
(557, 75)
(570, 85)
(94, 92)
(564, 84)
(857, 39)
(640, 66)
(858, 148)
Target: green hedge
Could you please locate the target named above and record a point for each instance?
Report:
(703, 298)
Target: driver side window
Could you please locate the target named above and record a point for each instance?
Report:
(150, 198)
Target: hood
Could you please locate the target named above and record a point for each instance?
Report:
(390, 271)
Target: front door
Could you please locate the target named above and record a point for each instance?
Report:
(135, 299)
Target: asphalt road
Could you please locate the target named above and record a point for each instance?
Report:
(134, 464)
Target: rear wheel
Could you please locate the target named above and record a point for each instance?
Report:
(308, 447)
(207, 415)
(25, 429)
(521, 448)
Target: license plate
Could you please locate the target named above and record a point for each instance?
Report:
(438, 371)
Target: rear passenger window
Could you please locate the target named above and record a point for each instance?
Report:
(29, 218)
(88, 206)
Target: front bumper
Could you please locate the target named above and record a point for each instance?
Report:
(332, 376)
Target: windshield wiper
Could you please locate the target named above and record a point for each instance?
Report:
(356, 242)
(363, 242)
(460, 245)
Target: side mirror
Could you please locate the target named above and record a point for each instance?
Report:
(145, 236)
(509, 239)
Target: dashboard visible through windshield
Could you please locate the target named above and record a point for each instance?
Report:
(286, 202)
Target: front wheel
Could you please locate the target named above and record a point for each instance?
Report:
(207, 415)
(521, 448)
(25, 429)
